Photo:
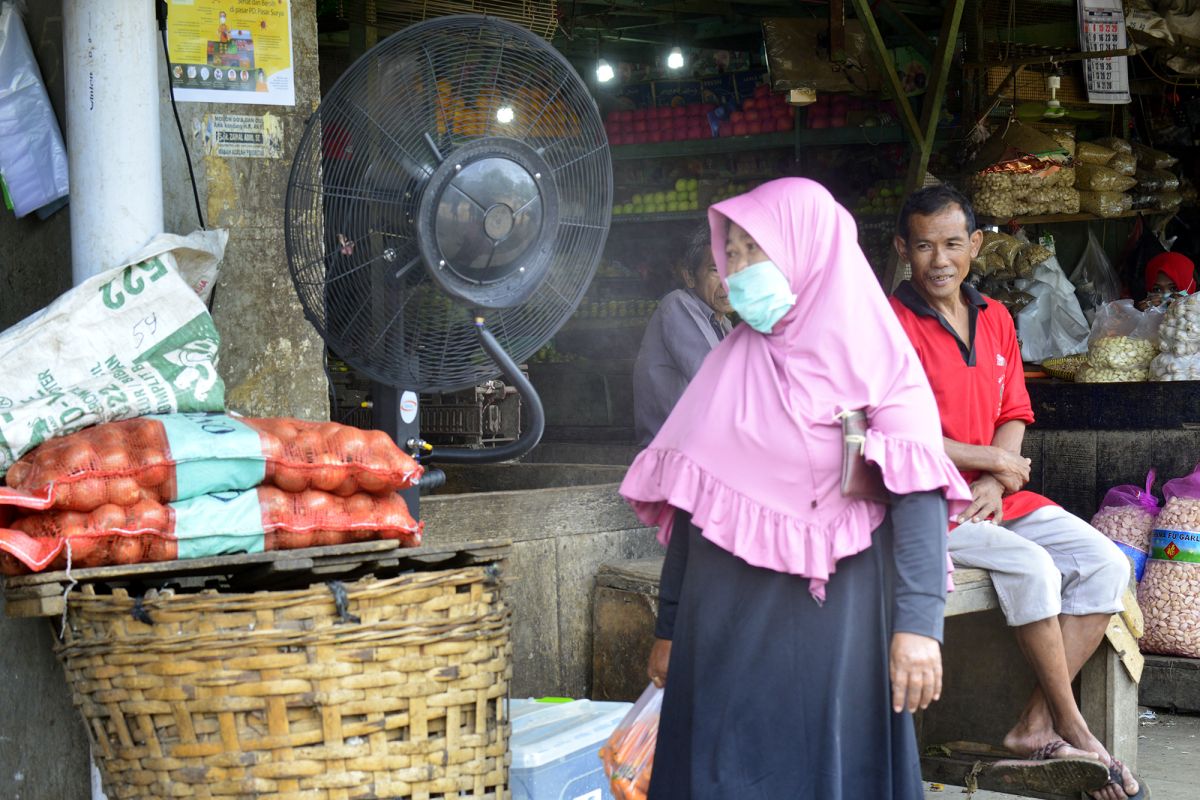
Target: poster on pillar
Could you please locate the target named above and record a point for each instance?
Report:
(231, 51)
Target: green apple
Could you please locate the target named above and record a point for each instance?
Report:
(681, 185)
(637, 198)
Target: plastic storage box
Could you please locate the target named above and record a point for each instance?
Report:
(556, 748)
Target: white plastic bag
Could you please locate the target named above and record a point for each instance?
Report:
(1123, 338)
(1094, 278)
(132, 341)
(1053, 324)
(33, 160)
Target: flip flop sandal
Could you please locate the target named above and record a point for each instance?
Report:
(1116, 776)
(1052, 776)
(1041, 772)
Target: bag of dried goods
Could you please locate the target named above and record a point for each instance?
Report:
(1105, 204)
(1166, 367)
(1127, 517)
(1149, 158)
(1124, 163)
(132, 341)
(1123, 338)
(1092, 153)
(1116, 144)
(252, 521)
(177, 456)
(1169, 593)
(1087, 374)
(1095, 178)
(1157, 180)
(1179, 334)
(1166, 201)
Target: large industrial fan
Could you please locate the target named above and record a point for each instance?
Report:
(446, 209)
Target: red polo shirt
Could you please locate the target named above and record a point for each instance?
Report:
(980, 384)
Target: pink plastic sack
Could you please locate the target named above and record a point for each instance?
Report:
(1127, 517)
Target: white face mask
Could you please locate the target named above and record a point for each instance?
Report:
(760, 295)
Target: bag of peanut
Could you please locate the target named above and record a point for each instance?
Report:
(1127, 517)
(1169, 593)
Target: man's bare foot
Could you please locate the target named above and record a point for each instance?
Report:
(1127, 785)
(1044, 744)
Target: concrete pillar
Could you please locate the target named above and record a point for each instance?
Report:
(114, 151)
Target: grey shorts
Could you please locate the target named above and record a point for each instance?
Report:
(1044, 564)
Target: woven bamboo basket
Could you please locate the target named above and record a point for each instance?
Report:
(1065, 367)
(396, 690)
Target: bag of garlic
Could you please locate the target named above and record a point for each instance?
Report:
(1169, 593)
(1124, 338)
(1167, 367)
(1127, 517)
(1180, 331)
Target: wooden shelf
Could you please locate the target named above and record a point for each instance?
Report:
(665, 216)
(1050, 219)
(798, 138)
(704, 147)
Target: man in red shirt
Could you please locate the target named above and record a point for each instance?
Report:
(1058, 579)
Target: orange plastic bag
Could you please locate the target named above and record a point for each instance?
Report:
(178, 456)
(257, 520)
(628, 755)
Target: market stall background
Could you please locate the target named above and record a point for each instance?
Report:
(678, 146)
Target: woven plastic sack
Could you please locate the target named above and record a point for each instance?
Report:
(178, 456)
(1169, 593)
(628, 755)
(253, 521)
(131, 341)
(1127, 516)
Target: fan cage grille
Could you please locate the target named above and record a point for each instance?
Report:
(358, 175)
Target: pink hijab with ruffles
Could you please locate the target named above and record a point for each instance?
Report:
(753, 449)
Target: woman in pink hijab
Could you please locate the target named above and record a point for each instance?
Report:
(798, 629)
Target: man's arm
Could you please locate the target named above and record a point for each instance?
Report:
(1002, 458)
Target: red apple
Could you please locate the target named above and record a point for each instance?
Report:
(783, 123)
(737, 116)
(741, 129)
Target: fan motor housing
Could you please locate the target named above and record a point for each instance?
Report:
(487, 222)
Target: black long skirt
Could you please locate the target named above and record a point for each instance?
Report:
(772, 696)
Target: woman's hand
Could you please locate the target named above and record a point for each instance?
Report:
(916, 671)
(660, 658)
(1011, 470)
(987, 501)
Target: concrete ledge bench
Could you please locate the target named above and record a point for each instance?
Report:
(986, 679)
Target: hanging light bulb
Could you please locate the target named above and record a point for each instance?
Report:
(604, 71)
(675, 58)
(504, 115)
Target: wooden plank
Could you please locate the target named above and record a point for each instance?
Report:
(883, 57)
(1071, 470)
(640, 575)
(1122, 457)
(1171, 682)
(1032, 448)
(1108, 698)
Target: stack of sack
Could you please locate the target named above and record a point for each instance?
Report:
(179, 486)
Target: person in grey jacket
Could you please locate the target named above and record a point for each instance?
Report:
(687, 325)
